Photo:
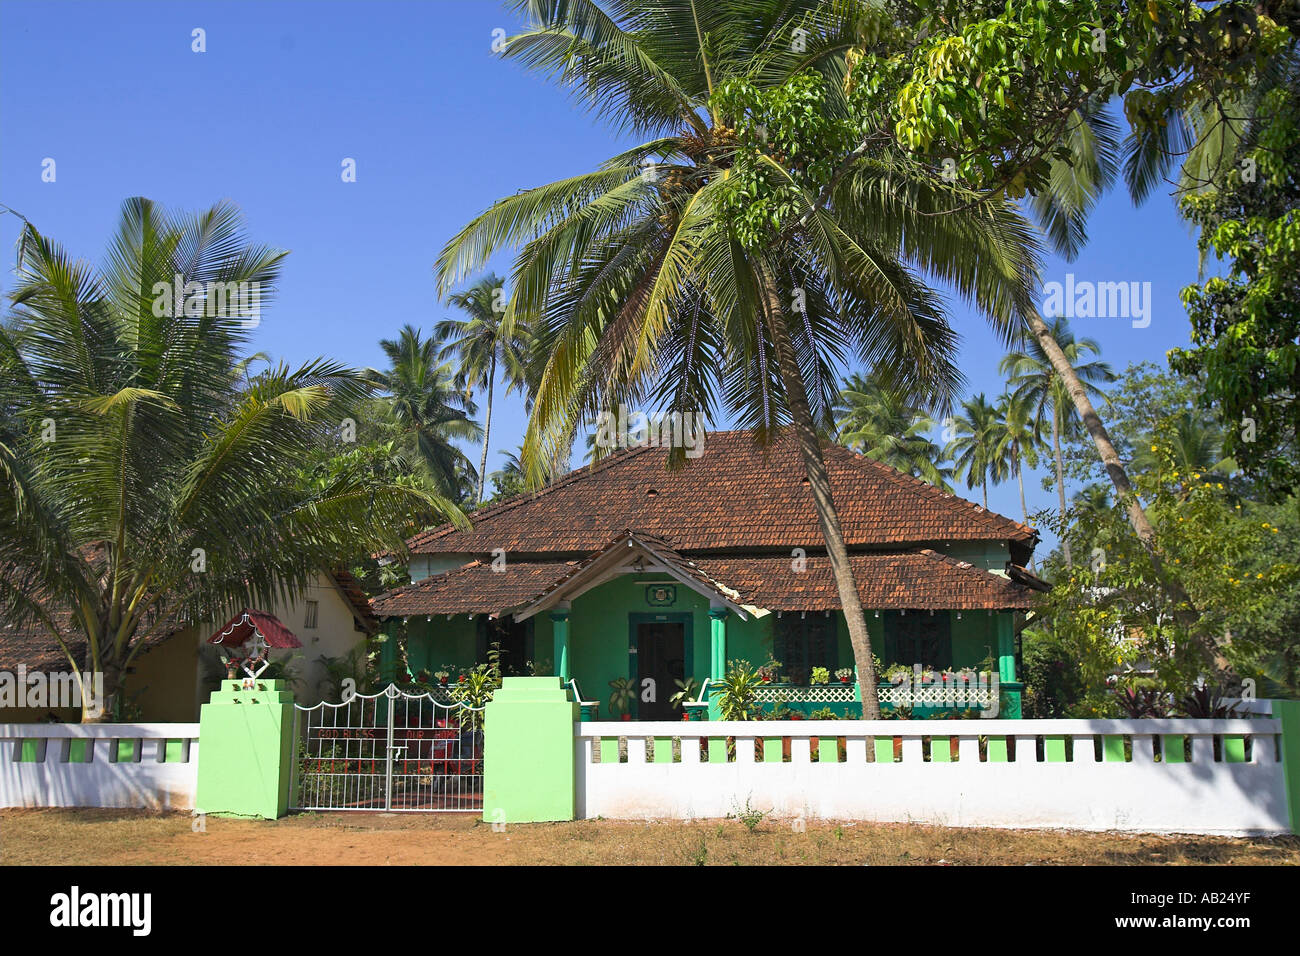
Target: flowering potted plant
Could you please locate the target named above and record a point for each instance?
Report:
(768, 672)
(845, 674)
(441, 677)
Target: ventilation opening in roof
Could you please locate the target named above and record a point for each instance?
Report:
(651, 492)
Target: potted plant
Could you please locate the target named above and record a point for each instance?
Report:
(819, 675)
(620, 701)
(687, 690)
(442, 676)
(768, 672)
(737, 700)
(845, 674)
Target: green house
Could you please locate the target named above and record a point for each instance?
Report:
(631, 570)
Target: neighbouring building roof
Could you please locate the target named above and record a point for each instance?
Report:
(32, 645)
(737, 496)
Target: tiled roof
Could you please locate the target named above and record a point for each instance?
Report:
(920, 580)
(475, 588)
(34, 647)
(736, 495)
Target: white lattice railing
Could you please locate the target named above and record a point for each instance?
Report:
(959, 694)
(805, 693)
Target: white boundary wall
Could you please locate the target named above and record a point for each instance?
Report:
(1139, 794)
(147, 781)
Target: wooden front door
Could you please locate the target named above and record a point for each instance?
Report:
(661, 659)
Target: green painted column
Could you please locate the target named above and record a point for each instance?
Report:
(560, 631)
(718, 642)
(1010, 688)
(1288, 713)
(717, 653)
(246, 745)
(528, 753)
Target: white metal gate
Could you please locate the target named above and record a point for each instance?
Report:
(390, 751)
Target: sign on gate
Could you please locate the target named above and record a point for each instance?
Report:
(389, 751)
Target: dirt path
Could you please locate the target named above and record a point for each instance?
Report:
(37, 837)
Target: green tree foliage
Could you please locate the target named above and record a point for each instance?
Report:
(429, 413)
(147, 478)
(481, 345)
(874, 418)
(973, 448)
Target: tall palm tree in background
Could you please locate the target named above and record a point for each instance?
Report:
(147, 479)
(882, 424)
(973, 448)
(430, 412)
(1034, 377)
(642, 291)
(480, 344)
(1017, 440)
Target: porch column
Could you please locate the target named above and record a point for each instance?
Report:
(718, 642)
(560, 632)
(1009, 705)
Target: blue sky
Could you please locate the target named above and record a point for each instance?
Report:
(439, 128)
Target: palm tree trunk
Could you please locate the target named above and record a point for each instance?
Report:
(1060, 480)
(487, 428)
(1024, 509)
(1092, 421)
(819, 481)
(1177, 594)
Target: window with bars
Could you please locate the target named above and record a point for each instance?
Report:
(313, 609)
(918, 638)
(802, 643)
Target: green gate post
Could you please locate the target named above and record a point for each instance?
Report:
(246, 750)
(1288, 714)
(528, 752)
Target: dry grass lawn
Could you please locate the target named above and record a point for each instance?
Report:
(90, 837)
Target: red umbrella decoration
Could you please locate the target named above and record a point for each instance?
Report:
(260, 631)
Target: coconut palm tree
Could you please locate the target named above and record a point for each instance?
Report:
(1035, 378)
(882, 424)
(1016, 441)
(480, 346)
(973, 448)
(147, 479)
(430, 411)
(642, 291)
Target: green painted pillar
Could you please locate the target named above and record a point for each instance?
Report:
(1006, 648)
(246, 750)
(528, 753)
(717, 654)
(718, 642)
(1288, 713)
(1010, 688)
(560, 632)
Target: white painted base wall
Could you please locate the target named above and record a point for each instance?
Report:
(146, 783)
(1140, 795)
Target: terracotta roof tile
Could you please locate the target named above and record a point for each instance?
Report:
(736, 495)
(919, 580)
(475, 588)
